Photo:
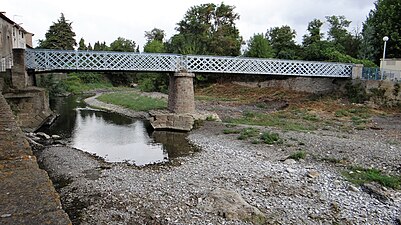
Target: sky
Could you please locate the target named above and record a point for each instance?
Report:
(107, 20)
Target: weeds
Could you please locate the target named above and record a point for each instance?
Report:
(270, 138)
(360, 175)
(248, 133)
(298, 155)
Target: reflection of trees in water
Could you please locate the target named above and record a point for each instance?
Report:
(175, 143)
(111, 118)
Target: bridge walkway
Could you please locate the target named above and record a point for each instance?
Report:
(27, 195)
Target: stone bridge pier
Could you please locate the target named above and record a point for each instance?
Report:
(181, 114)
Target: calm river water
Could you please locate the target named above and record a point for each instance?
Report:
(114, 137)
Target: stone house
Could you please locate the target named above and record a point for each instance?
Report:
(12, 35)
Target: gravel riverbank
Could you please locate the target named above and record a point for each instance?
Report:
(230, 181)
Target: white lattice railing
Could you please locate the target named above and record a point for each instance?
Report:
(6, 62)
(123, 61)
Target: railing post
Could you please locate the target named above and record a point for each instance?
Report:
(357, 71)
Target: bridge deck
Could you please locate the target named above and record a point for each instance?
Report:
(48, 60)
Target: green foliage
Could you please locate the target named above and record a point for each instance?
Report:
(298, 155)
(270, 138)
(100, 46)
(79, 82)
(82, 45)
(359, 175)
(155, 35)
(153, 82)
(286, 121)
(53, 86)
(383, 20)
(248, 133)
(154, 46)
(231, 131)
(315, 35)
(356, 92)
(123, 45)
(207, 29)
(59, 36)
(259, 47)
(282, 40)
(121, 78)
(133, 101)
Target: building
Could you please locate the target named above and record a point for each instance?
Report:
(12, 35)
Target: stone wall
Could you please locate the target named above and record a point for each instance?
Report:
(30, 106)
(315, 85)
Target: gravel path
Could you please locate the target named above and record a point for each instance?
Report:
(310, 191)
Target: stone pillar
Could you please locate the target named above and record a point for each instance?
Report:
(181, 97)
(357, 71)
(18, 71)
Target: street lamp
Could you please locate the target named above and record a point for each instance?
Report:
(385, 39)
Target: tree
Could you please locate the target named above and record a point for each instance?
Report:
(342, 39)
(315, 35)
(100, 46)
(123, 45)
(383, 20)
(207, 29)
(90, 47)
(59, 36)
(82, 45)
(282, 40)
(259, 47)
(155, 34)
(154, 46)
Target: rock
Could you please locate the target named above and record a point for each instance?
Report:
(230, 205)
(376, 191)
(56, 137)
(353, 188)
(43, 135)
(290, 170)
(171, 121)
(290, 161)
(313, 174)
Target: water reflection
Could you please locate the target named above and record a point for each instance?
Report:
(114, 137)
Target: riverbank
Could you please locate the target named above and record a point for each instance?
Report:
(232, 181)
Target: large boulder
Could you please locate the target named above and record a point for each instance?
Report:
(230, 205)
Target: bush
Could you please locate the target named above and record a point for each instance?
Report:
(356, 93)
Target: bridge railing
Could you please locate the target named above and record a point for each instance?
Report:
(101, 61)
(123, 61)
(218, 64)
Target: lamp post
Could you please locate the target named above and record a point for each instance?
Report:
(385, 39)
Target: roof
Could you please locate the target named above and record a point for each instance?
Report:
(4, 17)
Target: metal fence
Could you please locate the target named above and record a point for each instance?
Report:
(380, 74)
(123, 61)
(6, 62)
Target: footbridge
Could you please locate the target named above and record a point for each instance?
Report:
(181, 70)
(51, 60)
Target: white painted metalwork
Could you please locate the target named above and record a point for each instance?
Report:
(6, 62)
(124, 61)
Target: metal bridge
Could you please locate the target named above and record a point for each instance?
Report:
(51, 60)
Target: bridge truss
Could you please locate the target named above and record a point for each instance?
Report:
(50, 60)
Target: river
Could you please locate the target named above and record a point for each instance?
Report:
(114, 137)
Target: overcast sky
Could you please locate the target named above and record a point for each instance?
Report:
(107, 20)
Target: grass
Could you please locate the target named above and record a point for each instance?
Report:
(248, 133)
(255, 136)
(298, 155)
(284, 120)
(270, 138)
(133, 101)
(77, 83)
(359, 175)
